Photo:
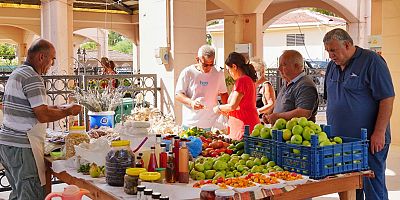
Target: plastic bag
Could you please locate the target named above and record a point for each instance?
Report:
(194, 146)
(221, 123)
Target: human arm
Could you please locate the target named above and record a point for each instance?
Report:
(195, 105)
(298, 112)
(231, 105)
(268, 99)
(224, 97)
(45, 113)
(382, 121)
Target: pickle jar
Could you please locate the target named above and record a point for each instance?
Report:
(208, 191)
(118, 159)
(76, 135)
(131, 180)
(224, 194)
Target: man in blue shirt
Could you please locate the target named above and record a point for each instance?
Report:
(360, 94)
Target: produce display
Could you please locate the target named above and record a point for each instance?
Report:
(297, 131)
(229, 166)
(286, 176)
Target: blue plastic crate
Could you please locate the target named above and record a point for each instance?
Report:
(318, 162)
(258, 147)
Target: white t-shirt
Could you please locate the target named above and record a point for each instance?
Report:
(194, 84)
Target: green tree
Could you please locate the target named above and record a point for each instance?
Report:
(89, 45)
(325, 12)
(124, 46)
(114, 38)
(7, 51)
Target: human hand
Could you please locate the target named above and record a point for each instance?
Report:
(271, 118)
(74, 109)
(216, 109)
(196, 104)
(377, 141)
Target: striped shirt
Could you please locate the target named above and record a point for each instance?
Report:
(24, 90)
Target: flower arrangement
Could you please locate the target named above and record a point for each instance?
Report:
(98, 101)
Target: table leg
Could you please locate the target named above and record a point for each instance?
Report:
(348, 195)
(47, 187)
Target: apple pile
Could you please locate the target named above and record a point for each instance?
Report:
(228, 166)
(261, 131)
(299, 131)
(214, 148)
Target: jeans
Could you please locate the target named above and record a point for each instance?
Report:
(375, 188)
(21, 172)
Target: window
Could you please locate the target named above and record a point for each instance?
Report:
(295, 40)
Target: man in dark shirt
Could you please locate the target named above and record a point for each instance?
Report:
(298, 96)
(360, 94)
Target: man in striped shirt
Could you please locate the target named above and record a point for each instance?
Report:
(25, 105)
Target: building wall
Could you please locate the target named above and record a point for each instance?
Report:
(391, 52)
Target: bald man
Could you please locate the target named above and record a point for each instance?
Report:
(25, 106)
(298, 97)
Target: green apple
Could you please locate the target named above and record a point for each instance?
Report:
(271, 170)
(225, 157)
(191, 165)
(325, 143)
(252, 158)
(287, 134)
(200, 160)
(338, 140)
(290, 124)
(315, 127)
(307, 132)
(296, 139)
(264, 160)
(250, 163)
(240, 168)
(199, 167)
(271, 164)
(306, 143)
(218, 174)
(220, 166)
(265, 133)
(237, 174)
(258, 126)
(296, 151)
(210, 174)
(229, 175)
(242, 162)
(302, 121)
(297, 130)
(208, 165)
(264, 171)
(245, 156)
(280, 124)
(322, 137)
(257, 161)
(255, 133)
(200, 176)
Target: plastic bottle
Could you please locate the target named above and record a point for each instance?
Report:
(147, 194)
(170, 170)
(139, 162)
(76, 135)
(163, 156)
(153, 160)
(183, 163)
(140, 193)
(156, 196)
(176, 156)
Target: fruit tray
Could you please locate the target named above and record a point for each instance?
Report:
(258, 147)
(265, 181)
(320, 161)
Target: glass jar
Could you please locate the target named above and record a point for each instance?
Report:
(164, 198)
(148, 194)
(208, 192)
(224, 194)
(131, 180)
(118, 159)
(140, 192)
(156, 195)
(162, 172)
(76, 135)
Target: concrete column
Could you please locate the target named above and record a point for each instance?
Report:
(178, 24)
(21, 52)
(360, 30)
(244, 29)
(57, 27)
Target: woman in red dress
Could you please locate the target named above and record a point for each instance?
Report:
(241, 107)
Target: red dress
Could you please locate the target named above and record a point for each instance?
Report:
(246, 112)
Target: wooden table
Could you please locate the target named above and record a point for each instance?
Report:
(344, 185)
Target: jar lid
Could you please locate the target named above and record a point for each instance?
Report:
(160, 169)
(77, 128)
(164, 198)
(148, 191)
(224, 193)
(156, 195)
(134, 171)
(120, 143)
(209, 187)
(163, 145)
(141, 187)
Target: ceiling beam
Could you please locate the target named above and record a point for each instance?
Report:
(118, 4)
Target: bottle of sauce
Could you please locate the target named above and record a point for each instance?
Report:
(183, 163)
(139, 162)
(176, 156)
(170, 170)
(163, 156)
(153, 160)
(158, 146)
